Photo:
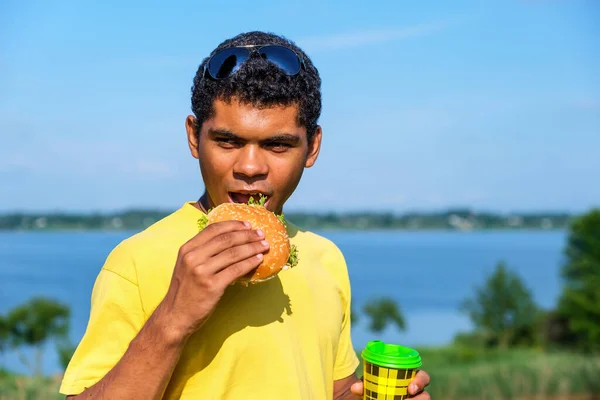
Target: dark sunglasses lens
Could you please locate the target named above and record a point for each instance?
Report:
(226, 62)
(283, 57)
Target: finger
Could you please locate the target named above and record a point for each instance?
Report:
(421, 396)
(236, 254)
(357, 388)
(209, 233)
(239, 269)
(418, 384)
(227, 240)
(219, 228)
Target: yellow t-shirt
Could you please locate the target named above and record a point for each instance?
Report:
(287, 338)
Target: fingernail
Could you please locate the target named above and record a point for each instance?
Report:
(265, 243)
(247, 224)
(413, 388)
(260, 233)
(260, 256)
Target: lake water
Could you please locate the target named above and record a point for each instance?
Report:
(428, 273)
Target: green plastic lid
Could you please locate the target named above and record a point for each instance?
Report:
(391, 355)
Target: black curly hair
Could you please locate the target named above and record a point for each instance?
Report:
(261, 84)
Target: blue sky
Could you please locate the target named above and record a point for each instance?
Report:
(493, 105)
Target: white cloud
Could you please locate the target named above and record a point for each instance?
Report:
(335, 41)
(363, 37)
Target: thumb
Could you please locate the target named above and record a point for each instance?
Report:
(357, 388)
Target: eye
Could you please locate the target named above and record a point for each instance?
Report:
(226, 143)
(278, 147)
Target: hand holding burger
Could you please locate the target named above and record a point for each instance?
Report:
(279, 256)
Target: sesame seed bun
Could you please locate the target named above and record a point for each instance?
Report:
(276, 257)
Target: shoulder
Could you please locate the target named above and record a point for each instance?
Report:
(320, 246)
(322, 251)
(164, 236)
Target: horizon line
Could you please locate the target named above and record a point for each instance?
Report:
(408, 210)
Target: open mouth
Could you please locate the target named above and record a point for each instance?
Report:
(239, 197)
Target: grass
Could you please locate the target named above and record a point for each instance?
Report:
(16, 387)
(457, 374)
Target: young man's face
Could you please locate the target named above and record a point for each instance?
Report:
(244, 150)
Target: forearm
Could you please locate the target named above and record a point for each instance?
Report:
(347, 395)
(146, 367)
(342, 388)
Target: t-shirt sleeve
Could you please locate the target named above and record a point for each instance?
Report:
(116, 316)
(346, 360)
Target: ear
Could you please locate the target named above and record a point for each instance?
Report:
(314, 147)
(193, 135)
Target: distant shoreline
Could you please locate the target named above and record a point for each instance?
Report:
(451, 220)
(329, 229)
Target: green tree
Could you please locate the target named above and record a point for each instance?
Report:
(65, 349)
(4, 338)
(3, 333)
(354, 317)
(503, 310)
(384, 311)
(579, 303)
(33, 324)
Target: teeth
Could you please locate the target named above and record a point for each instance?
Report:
(241, 197)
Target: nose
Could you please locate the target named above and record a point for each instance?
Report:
(250, 163)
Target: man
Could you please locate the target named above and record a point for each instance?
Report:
(166, 320)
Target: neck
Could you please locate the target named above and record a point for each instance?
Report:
(203, 203)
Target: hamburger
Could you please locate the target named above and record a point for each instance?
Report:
(280, 255)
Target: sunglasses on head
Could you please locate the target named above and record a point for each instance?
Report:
(227, 62)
